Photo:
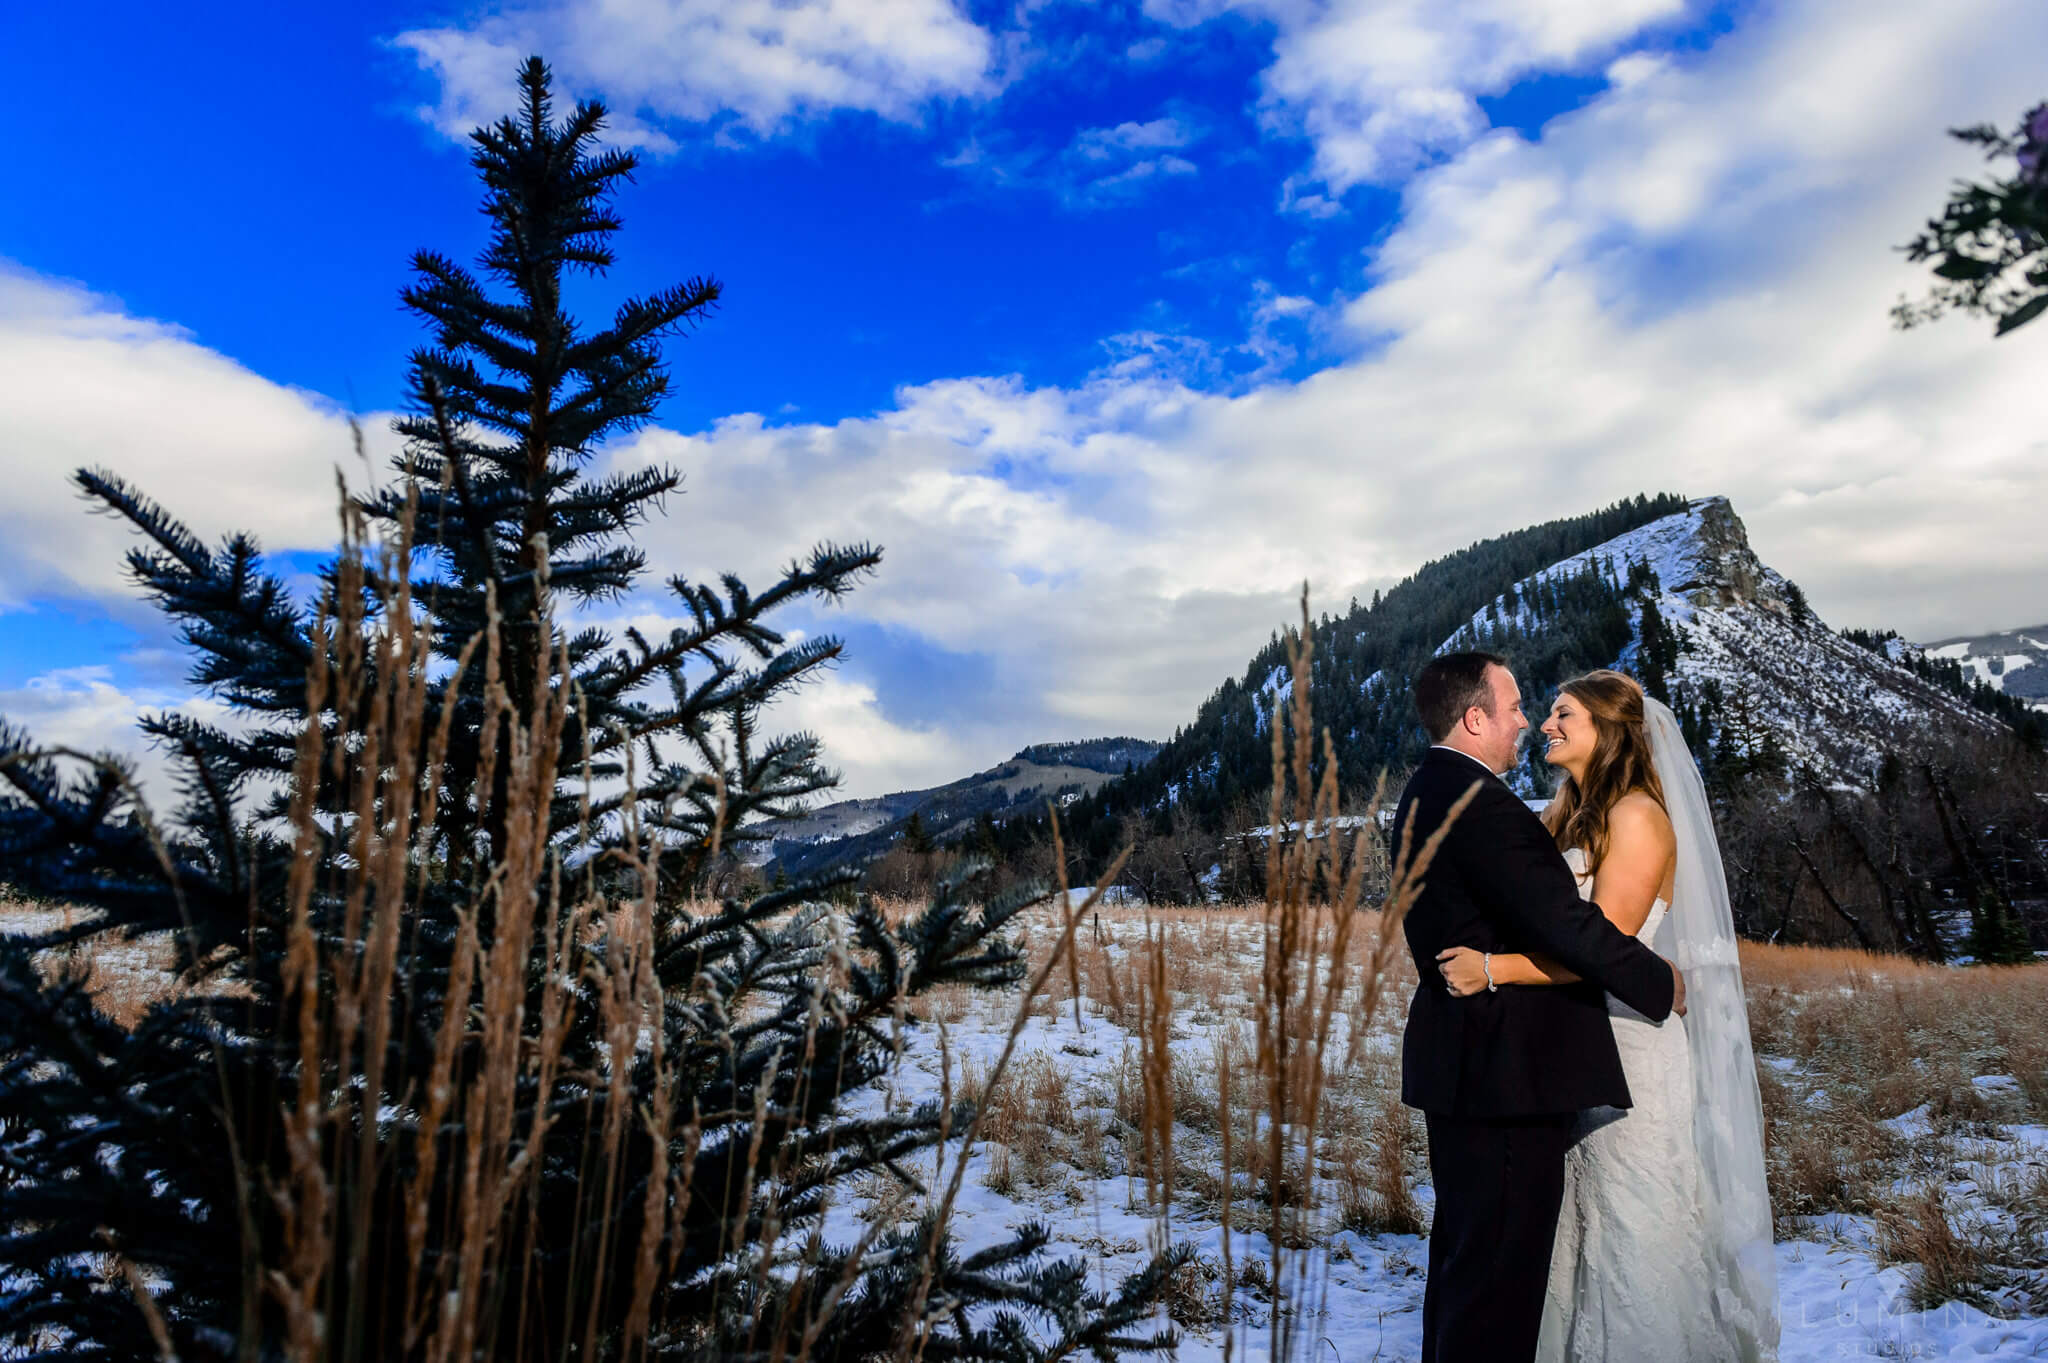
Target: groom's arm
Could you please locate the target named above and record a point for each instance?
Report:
(1523, 878)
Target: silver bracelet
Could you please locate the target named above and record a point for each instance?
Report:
(1486, 964)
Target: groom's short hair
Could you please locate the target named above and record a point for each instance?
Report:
(1449, 685)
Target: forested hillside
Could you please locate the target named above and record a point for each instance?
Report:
(2010, 695)
(1221, 762)
(855, 831)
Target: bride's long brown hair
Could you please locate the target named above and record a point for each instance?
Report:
(1621, 763)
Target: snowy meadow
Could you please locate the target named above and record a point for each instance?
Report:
(1191, 1115)
(1907, 1108)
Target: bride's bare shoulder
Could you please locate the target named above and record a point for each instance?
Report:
(1638, 817)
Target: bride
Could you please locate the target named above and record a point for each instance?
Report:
(1663, 1247)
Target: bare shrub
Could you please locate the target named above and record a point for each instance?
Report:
(1000, 1178)
(1192, 1297)
(1381, 1197)
(1918, 1231)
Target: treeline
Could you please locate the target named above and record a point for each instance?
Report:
(1940, 852)
(1947, 673)
(1113, 755)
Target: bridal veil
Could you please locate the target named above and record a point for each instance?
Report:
(1698, 934)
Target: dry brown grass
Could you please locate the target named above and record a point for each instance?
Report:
(1849, 1043)
(1881, 1036)
(1379, 1184)
(123, 977)
(1920, 1231)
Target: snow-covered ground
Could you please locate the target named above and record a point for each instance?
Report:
(1887, 1083)
(1072, 1161)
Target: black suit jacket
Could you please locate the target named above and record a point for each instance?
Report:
(1499, 884)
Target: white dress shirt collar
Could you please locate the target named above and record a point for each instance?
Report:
(1469, 758)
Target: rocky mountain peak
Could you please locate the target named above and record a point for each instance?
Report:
(1735, 650)
(1725, 571)
(1665, 587)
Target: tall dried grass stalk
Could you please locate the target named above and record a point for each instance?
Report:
(1156, 1075)
(1316, 865)
(370, 675)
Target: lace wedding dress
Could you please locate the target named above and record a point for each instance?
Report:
(1628, 1277)
(1663, 1249)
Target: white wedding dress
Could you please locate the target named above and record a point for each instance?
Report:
(1663, 1250)
(1628, 1273)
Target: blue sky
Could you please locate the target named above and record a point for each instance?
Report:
(1111, 322)
(858, 252)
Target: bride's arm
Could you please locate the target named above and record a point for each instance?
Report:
(1639, 851)
(1465, 970)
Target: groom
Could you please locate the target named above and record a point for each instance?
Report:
(1501, 1076)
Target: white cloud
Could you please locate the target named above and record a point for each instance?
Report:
(83, 709)
(1097, 167)
(84, 383)
(1139, 173)
(1683, 287)
(872, 753)
(1113, 555)
(762, 63)
(1157, 134)
(1380, 87)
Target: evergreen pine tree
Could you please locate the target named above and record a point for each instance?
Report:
(987, 841)
(916, 838)
(434, 939)
(1797, 600)
(1997, 936)
(1657, 651)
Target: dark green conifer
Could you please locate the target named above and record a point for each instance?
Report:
(173, 1145)
(987, 841)
(916, 838)
(1656, 651)
(1997, 936)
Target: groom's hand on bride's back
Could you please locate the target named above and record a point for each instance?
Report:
(1677, 988)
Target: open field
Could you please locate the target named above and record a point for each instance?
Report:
(1908, 1141)
(1907, 1108)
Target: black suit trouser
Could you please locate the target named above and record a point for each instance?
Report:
(1499, 1181)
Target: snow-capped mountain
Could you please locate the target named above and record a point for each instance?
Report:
(2015, 662)
(1666, 588)
(853, 829)
(1734, 645)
